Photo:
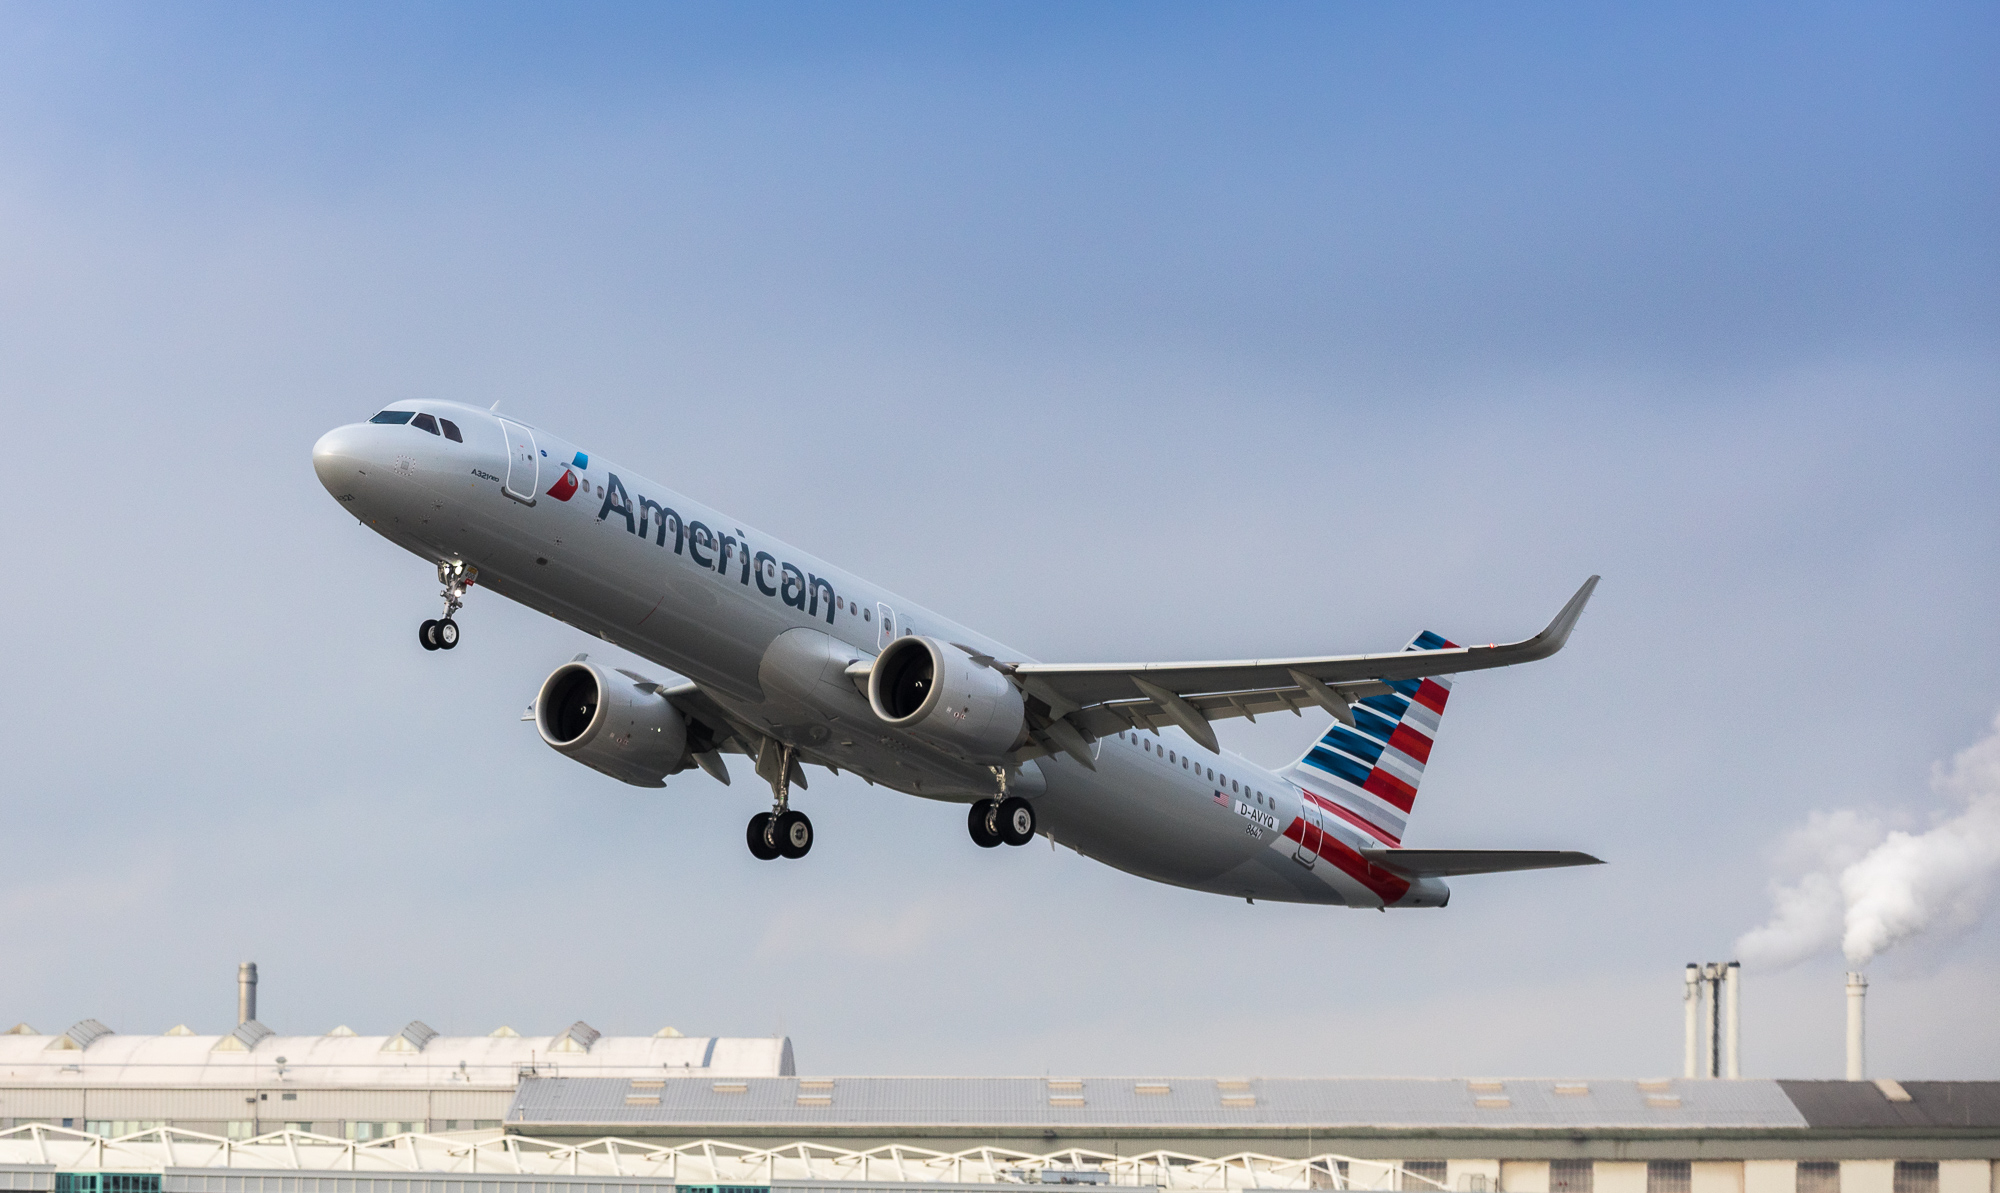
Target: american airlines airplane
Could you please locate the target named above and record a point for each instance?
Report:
(793, 662)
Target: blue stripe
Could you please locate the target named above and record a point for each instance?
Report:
(1342, 738)
(1394, 706)
(1429, 641)
(1368, 722)
(1338, 764)
(1407, 687)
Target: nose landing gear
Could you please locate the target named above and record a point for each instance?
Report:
(780, 832)
(442, 633)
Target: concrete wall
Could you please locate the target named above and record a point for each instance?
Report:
(1524, 1176)
(1770, 1176)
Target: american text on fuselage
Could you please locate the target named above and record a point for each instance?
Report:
(791, 662)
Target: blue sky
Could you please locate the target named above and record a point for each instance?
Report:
(1120, 332)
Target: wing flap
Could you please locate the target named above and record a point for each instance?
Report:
(1451, 863)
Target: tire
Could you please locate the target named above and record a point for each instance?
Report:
(757, 835)
(427, 634)
(1016, 821)
(975, 823)
(447, 634)
(794, 834)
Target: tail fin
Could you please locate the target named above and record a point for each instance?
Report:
(1368, 775)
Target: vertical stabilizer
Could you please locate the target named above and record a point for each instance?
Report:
(1368, 775)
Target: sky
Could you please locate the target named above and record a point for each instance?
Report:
(1117, 331)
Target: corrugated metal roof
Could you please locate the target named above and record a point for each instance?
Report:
(1858, 1105)
(1161, 1101)
(111, 1060)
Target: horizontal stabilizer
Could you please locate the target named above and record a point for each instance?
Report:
(1450, 863)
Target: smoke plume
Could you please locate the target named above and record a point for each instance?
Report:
(1844, 880)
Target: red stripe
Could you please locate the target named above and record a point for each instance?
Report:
(1355, 819)
(1387, 886)
(1391, 789)
(1411, 742)
(1432, 695)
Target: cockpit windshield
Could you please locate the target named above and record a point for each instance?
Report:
(424, 422)
(451, 430)
(393, 416)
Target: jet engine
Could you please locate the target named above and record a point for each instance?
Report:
(612, 721)
(934, 691)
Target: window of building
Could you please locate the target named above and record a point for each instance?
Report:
(424, 422)
(107, 1182)
(115, 1127)
(1818, 1176)
(1570, 1176)
(363, 1132)
(1915, 1176)
(393, 416)
(288, 1097)
(1422, 1175)
(302, 1128)
(1668, 1176)
(238, 1128)
(451, 430)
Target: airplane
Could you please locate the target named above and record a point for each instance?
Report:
(791, 661)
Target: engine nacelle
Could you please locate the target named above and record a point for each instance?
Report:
(933, 690)
(610, 722)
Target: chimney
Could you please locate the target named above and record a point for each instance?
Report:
(1692, 1001)
(1712, 1021)
(1857, 1056)
(246, 992)
(1732, 1053)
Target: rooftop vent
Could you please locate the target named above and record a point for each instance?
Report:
(179, 1029)
(1155, 1088)
(20, 1029)
(79, 1036)
(343, 1031)
(503, 1032)
(412, 1038)
(246, 1037)
(577, 1037)
(668, 1033)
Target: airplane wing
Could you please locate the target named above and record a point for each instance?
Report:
(1450, 863)
(1095, 700)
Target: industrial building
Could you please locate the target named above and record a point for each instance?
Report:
(92, 1111)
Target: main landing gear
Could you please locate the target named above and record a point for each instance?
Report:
(1008, 820)
(780, 832)
(442, 633)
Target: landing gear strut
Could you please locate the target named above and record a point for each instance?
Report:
(780, 832)
(442, 633)
(1008, 820)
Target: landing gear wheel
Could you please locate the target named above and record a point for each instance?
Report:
(762, 847)
(447, 634)
(1016, 821)
(794, 834)
(427, 634)
(979, 822)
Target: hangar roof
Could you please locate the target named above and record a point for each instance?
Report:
(89, 1055)
(1166, 1102)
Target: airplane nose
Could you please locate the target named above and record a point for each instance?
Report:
(338, 458)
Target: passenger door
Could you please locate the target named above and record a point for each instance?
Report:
(1310, 826)
(523, 463)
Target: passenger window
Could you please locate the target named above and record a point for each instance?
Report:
(393, 416)
(424, 422)
(451, 430)
(1211, 776)
(1170, 755)
(1184, 764)
(868, 615)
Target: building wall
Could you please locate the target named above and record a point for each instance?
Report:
(254, 1110)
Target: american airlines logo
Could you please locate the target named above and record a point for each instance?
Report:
(774, 578)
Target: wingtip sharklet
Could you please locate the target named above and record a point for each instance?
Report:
(1556, 634)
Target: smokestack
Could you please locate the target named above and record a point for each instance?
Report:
(246, 992)
(1857, 1056)
(1692, 1001)
(1732, 1053)
(1712, 1021)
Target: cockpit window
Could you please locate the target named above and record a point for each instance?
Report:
(393, 416)
(451, 430)
(424, 422)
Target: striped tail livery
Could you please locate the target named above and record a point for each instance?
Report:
(1367, 772)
